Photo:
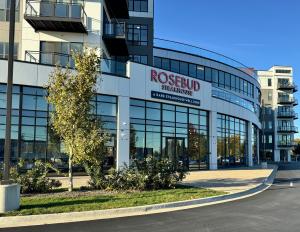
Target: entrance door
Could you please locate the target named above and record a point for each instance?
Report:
(175, 149)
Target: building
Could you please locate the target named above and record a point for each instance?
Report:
(156, 97)
(278, 88)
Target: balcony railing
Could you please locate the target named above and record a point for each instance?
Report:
(287, 86)
(285, 143)
(53, 58)
(287, 100)
(56, 16)
(114, 37)
(115, 30)
(287, 129)
(287, 114)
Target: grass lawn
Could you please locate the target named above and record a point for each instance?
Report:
(59, 203)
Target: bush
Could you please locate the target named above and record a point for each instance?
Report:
(148, 174)
(34, 180)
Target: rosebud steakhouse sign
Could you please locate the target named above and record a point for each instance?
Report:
(175, 84)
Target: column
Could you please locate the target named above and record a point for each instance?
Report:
(249, 142)
(213, 157)
(123, 131)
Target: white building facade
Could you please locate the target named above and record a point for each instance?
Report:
(155, 97)
(278, 116)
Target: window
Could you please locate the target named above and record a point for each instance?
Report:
(139, 59)
(208, 74)
(137, 34)
(215, 76)
(227, 80)
(270, 139)
(4, 50)
(184, 68)
(200, 72)
(221, 79)
(138, 5)
(270, 95)
(175, 66)
(283, 71)
(4, 10)
(269, 82)
(270, 124)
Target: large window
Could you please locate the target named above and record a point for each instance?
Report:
(32, 137)
(4, 50)
(5, 8)
(217, 78)
(138, 5)
(174, 132)
(137, 34)
(232, 141)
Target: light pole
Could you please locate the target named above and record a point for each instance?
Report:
(9, 192)
(7, 145)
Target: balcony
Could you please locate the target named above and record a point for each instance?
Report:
(53, 58)
(287, 114)
(52, 16)
(287, 86)
(117, 8)
(114, 37)
(287, 129)
(285, 143)
(286, 100)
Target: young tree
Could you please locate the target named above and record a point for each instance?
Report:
(71, 92)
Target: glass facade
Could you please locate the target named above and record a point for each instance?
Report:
(4, 50)
(32, 137)
(163, 130)
(216, 77)
(232, 141)
(254, 141)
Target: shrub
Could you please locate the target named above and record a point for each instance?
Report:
(97, 178)
(34, 180)
(148, 174)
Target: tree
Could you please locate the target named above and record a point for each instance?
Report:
(71, 92)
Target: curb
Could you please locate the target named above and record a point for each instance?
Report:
(34, 220)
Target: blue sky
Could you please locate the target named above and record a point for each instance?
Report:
(258, 33)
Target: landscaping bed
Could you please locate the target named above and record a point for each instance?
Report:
(77, 201)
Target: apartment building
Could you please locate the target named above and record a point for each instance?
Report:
(278, 114)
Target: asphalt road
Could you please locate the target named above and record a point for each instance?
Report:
(276, 209)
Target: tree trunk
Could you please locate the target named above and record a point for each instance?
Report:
(70, 173)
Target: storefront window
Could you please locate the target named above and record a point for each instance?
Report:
(32, 133)
(232, 141)
(167, 132)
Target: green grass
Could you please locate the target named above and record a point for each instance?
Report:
(58, 204)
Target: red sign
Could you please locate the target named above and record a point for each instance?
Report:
(175, 83)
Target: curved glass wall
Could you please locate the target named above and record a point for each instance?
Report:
(232, 141)
(218, 78)
(169, 131)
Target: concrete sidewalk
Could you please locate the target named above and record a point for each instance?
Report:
(229, 180)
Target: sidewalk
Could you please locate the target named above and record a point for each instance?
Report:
(228, 180)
